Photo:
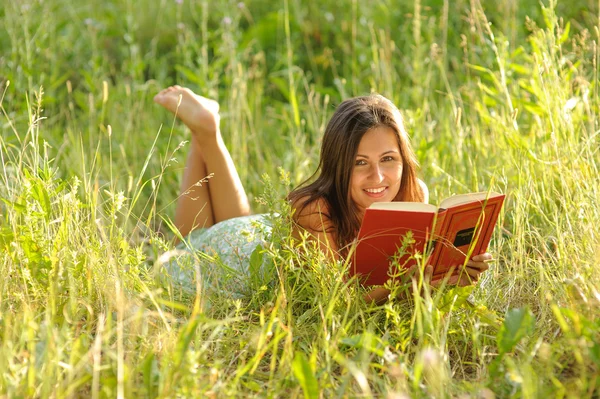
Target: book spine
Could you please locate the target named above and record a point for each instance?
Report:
(439, 230)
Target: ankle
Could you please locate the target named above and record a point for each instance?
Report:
(195, 145)
(205, 139)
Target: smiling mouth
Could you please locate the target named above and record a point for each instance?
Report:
(375, 190)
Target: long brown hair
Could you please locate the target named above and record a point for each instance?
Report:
(351, 120)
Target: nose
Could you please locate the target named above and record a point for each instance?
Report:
(376, 173)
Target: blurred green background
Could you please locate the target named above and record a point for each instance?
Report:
(499, 95)
(278, 68)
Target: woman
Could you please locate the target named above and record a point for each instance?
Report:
(365, 157)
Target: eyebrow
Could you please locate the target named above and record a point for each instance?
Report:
(382, 154)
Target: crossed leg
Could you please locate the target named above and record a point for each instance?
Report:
(202, 203)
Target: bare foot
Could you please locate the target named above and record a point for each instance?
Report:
(200, 114)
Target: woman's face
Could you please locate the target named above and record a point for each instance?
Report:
(377, 169)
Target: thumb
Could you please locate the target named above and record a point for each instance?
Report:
(428, 274)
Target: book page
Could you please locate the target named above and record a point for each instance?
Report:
(404, 206)
(465, 198)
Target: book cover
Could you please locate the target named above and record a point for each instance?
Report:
(462, 226)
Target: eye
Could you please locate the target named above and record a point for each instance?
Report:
(388, 158)
(360, 162)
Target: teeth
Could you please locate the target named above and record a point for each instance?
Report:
(374, 190)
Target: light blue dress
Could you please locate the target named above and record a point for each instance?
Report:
(227, 256)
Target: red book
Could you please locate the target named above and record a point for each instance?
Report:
(461, 225)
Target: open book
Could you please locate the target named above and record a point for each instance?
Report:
(462, 225)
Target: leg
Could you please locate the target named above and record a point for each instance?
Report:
(194, 208)
(227, 198)
(227, 193)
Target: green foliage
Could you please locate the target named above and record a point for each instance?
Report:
(496, 95)
(518, 324)
(305, 375)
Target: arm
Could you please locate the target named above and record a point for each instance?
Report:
(313, 218)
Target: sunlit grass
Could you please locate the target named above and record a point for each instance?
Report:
(91, 167)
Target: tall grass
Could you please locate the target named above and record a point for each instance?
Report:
(495, 97)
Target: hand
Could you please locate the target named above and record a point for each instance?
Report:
(470, 274)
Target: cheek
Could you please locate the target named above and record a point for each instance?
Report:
(356, 182)
(396, 176)
(356, 177)
(394, 172)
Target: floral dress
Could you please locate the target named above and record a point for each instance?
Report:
(225, 256)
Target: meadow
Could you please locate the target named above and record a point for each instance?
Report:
(497, 95)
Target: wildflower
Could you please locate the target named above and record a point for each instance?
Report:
(430, 358)
(227, 21)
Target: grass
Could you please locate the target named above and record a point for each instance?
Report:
(495, 97)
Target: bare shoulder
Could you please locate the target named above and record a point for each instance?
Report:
(312, 215)
(314, 218)
(425, 191)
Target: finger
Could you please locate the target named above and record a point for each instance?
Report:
(453, 280)
(483, 257)
(481, 266)
(474, 273)
(467, 277)
(465, 280)
(428, 273)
